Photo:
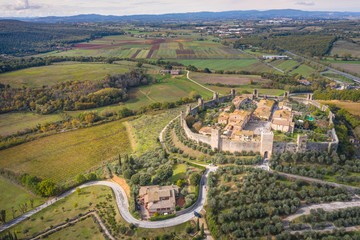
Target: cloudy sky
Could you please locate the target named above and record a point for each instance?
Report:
(32, 8)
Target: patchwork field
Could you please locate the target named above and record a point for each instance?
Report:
(343, 47)
(60, 72)
(11, 123)
(125, 46)
(227, 79)
(62, 156)
(12, 195)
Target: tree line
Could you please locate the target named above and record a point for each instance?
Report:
(72, 95)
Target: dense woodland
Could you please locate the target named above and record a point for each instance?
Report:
(24, 38)
(304, 43)
(72, 95)
(350, 95)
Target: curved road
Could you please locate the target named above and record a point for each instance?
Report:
(326, 206)
(123, 206)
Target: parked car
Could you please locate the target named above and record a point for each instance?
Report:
(196, 214)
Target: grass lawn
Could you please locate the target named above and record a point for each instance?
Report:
(218, 64)
(62, 156)
(12, 195)
(179, 173)
(11, 123)
(86, 229)
(60, 72)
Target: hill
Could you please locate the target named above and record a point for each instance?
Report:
(199, 16)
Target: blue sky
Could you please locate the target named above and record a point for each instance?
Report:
(31, 8)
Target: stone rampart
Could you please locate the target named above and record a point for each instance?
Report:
(267, 145)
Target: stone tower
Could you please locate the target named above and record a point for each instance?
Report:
(286, 94)
(266, 144)
(301, 143)
(215, 138)
(188, 109)
(182, 118)
(201, 103)
(216, 97)
(255, 93)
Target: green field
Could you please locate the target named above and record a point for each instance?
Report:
(60, 72)
(11, 123)
(12, 195)
(61, 156)
(338, 77)
(304, 70)
(285, 65)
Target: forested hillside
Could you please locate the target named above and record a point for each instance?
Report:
(23, 38)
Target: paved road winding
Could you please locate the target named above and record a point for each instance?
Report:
(123, 206)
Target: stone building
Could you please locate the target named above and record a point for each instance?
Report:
(159, 199)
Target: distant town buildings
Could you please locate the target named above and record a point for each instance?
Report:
(275, 57)
(172, 72)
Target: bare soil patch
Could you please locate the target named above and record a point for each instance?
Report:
(227, 79)
(122, 184)
(351, 67)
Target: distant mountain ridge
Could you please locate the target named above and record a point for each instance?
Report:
(198, 16)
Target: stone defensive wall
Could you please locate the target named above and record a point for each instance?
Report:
(267, 145)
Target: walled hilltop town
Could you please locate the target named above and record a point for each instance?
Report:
(254, 122)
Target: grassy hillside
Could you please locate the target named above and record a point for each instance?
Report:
(62, 156)
(60, 72)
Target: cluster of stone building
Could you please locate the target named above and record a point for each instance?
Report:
(234, 123)
(280, 119)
